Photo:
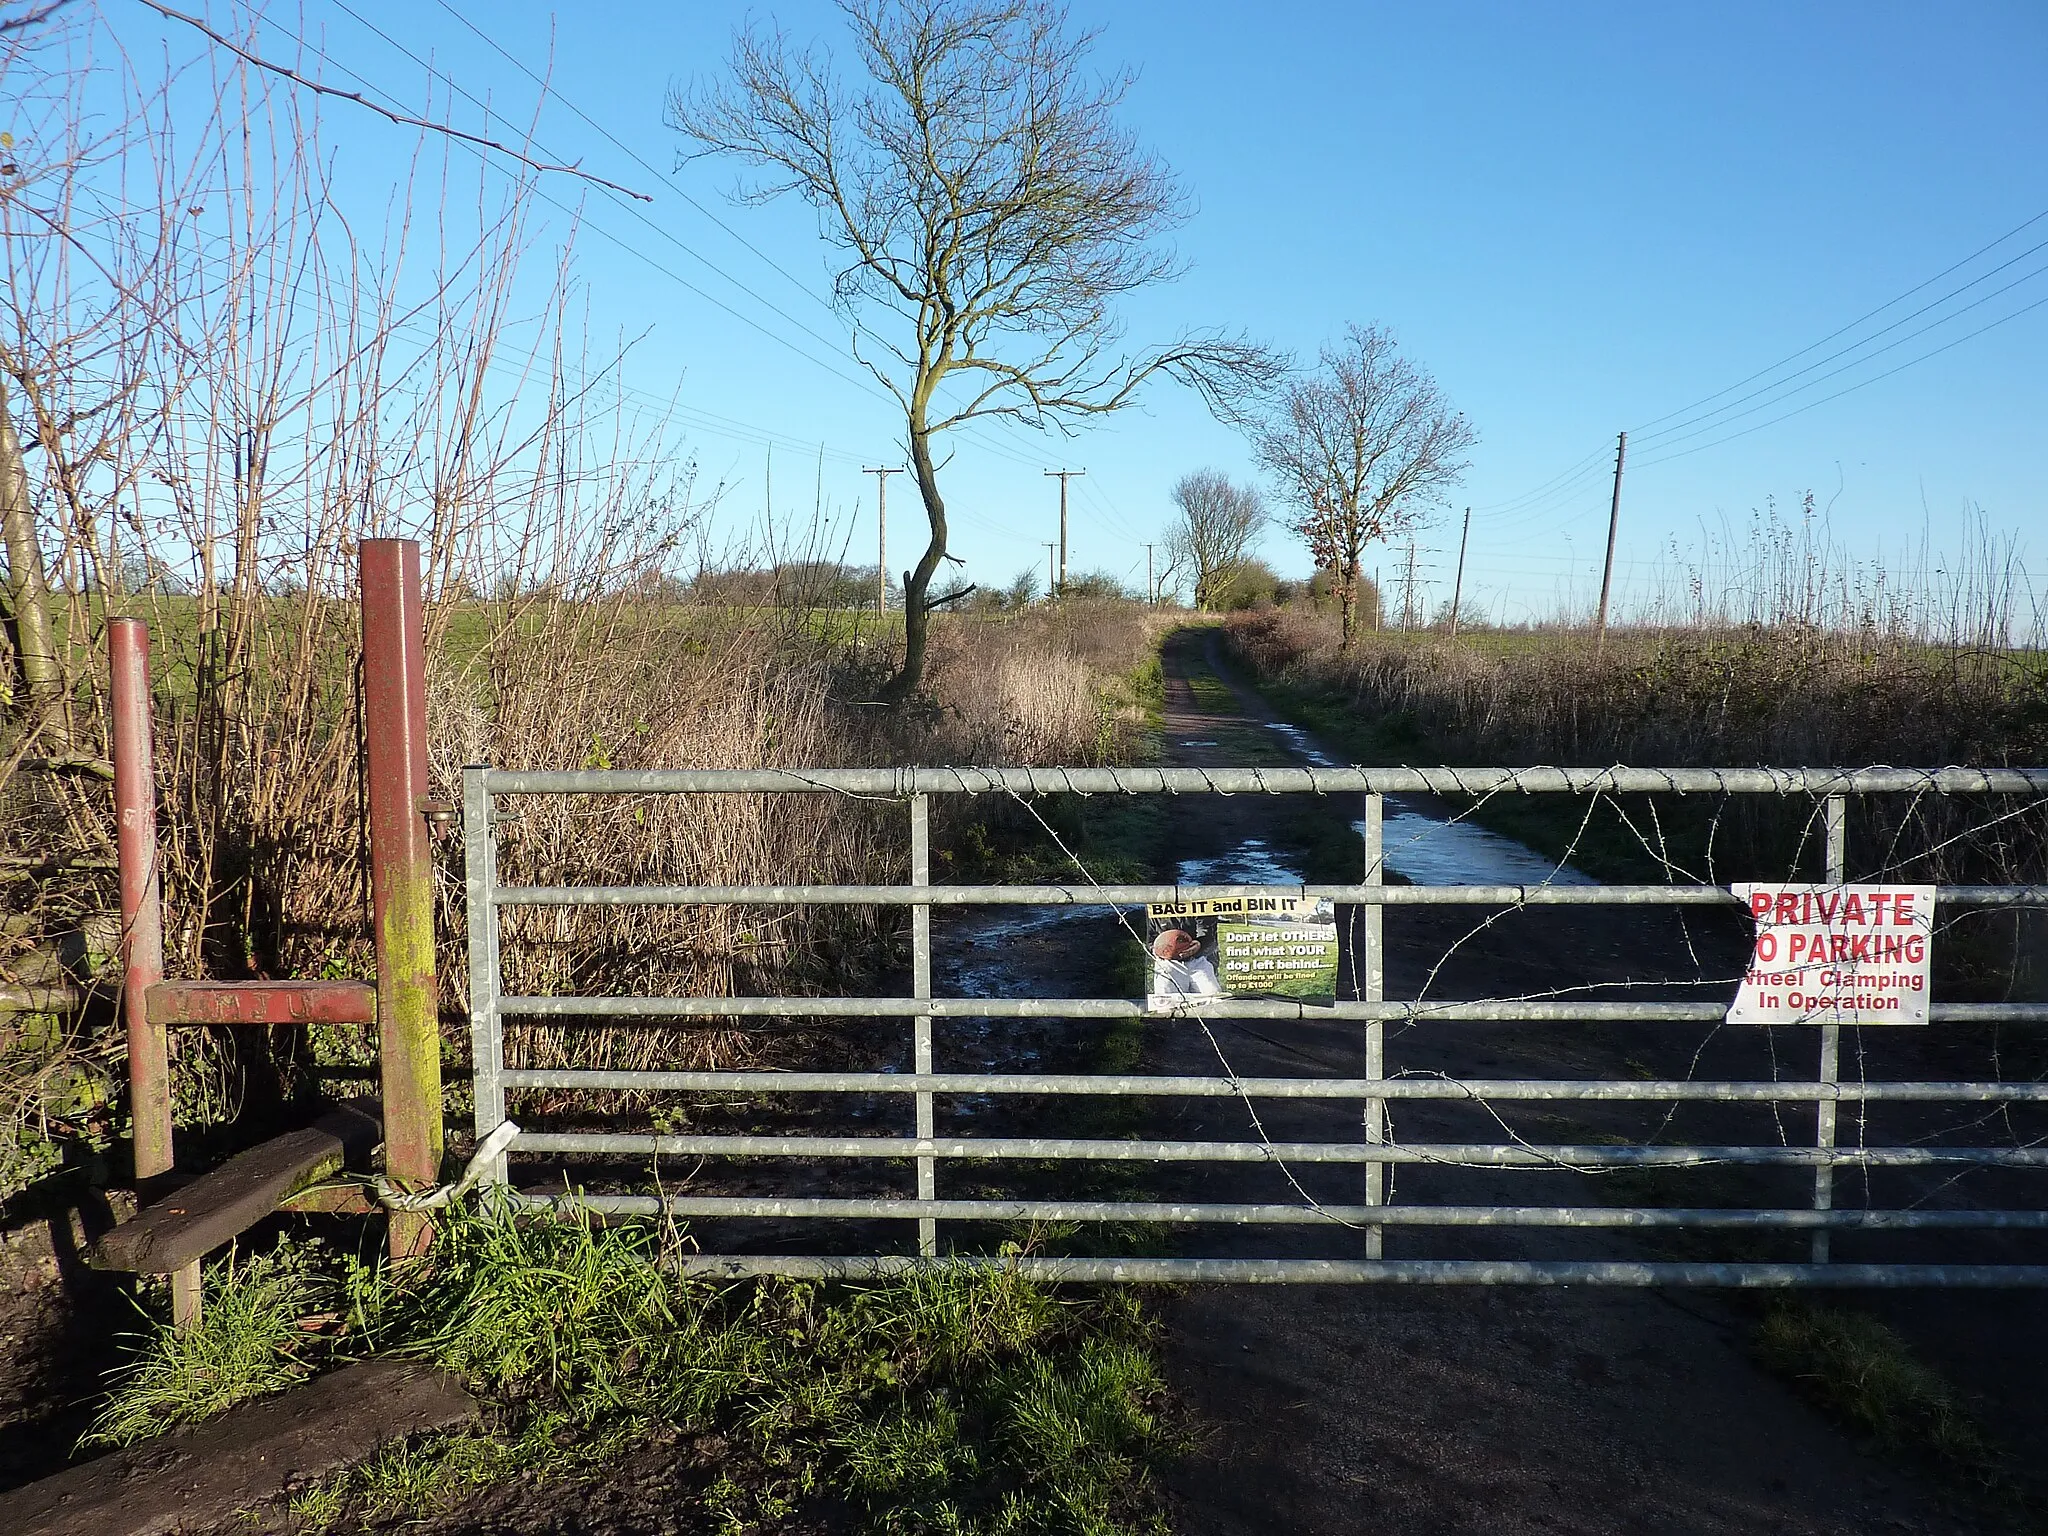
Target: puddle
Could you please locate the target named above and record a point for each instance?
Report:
(1251, 862)
(1001, 952)
(1020, 951)
(976, 954)
(1302, 745)
(1434, 850)
(1031, 951)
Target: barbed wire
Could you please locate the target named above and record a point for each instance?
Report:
(1648, 831)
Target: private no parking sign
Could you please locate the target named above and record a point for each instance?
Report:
(1837, 954)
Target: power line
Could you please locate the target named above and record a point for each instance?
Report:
(1592, 460)
(866, 386)
(751, 434)
(1114, 520)
(632, 154)
(980, 433)
(1539, 500)
(1844, 330)
(761, 436)
(398, 115)
(1851, 389)
(1584, 487)
(1668, 437)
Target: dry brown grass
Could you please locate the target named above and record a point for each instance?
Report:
(682, 688)
(1735, 695)
(620, 683)
(1752, 695)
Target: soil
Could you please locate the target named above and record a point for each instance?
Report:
(59, 1333)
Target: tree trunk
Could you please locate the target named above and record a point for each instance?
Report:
(28, 588)
(1347, 600)
(917, 582)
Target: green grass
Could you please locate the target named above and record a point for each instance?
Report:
(946, 1401)
(1858, 1370)
(262, 1332)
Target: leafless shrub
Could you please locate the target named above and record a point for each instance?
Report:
(221, 387)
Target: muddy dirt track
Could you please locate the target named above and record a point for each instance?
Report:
(1351, 1409)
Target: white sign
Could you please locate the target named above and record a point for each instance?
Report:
(1837, 954)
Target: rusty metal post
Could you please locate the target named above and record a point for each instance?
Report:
(401, 873)
(142, 924)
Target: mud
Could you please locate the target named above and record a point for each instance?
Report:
(60, 1327)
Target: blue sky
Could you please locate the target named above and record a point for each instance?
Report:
(1581, 218)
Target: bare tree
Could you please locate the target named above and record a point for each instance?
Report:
(989, 212)
(1361, 448)
(1219, 524)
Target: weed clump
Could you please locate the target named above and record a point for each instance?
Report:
(263, 1328)
(1862, 1372)
(941, 1400)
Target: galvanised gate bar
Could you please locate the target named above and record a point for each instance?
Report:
(1374, 1151)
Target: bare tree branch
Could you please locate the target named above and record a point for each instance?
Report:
(403, 119)
(1361, 448)
(990, 212)
(33, 17)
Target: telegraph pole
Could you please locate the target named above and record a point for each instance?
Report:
(1063, 476)
(882, 535)
(1151, 591)
(1613, 522)
(1049, 548)
(1458, 586)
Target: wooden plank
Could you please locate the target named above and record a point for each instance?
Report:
(349, 1199)
(216, 1207)
(262, 1002)
(200, 1478)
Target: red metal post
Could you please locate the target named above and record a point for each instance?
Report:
(401, 872)
(142, 924)
(262, 1003)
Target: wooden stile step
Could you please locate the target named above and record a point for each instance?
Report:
(217, 1207)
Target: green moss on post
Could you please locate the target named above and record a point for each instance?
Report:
(401, 873)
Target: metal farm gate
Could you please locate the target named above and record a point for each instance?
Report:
(1631, 1231)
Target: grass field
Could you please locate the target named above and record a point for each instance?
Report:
(943, 1402)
